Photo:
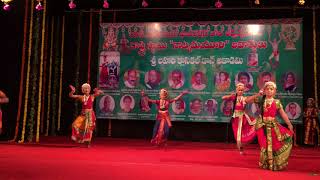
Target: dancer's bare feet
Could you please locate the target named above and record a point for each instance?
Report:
(88, 144)
(241, 151)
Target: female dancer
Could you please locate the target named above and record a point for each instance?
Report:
(242, 124)
(311, 125)
(3, 99)
(84, 124)
(275, 140)
(163, 121)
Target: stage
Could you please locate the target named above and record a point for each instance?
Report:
(126, 159)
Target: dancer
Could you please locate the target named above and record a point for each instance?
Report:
(3, 99)
(163, 121)
(242, 125)
(84, 124)
(275, 140)
(311, 126)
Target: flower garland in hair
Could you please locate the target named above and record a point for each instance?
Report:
(61, 73)
(27, 78)
(41, 71)
(50, 77)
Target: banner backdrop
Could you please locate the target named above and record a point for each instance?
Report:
(206, 58)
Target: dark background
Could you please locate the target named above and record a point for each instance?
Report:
(11, 32)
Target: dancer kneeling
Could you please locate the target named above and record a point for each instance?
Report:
(163, 120)
(84, 124)
(242, 125)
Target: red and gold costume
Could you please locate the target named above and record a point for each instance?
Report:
(311, 124)
(164, 118)
(84, 124)
(242, 125)
(275, 140)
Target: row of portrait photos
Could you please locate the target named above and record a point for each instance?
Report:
(199, 80)
(197, 106)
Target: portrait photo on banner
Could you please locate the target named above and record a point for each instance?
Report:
(152, 79)
(176, 79)
(127, 103)
(106, 104)
(222, 81)
(109, 70)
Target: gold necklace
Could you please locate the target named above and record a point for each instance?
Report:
(268, 103)
(162, 103)
(85, 99)
(239, 99)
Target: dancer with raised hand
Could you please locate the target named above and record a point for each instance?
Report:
(163, 120)
(242, 125)
(84, 125)
(275, 140)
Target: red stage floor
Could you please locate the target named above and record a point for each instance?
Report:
(127, 159)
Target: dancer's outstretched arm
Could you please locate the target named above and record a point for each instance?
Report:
(228, 96)
(3, 98)
(180, 95)
(149, 100)
(97, 92)
(251, 99)
(71, 93)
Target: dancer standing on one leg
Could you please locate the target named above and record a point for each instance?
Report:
(242, 125)
(3, 99)
(84, 124)
(163, 121)
(275, 140)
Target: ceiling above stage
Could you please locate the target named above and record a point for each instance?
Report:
(58, 7)
(128, 4)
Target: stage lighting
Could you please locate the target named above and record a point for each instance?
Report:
(301, 2)
(218, 4)
(6, 5)
(72, 5)
(39, 6)
(144, 3)
(105, 4)
(182, 2)
(253, 29)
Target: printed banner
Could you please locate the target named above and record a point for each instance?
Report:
(206, 58)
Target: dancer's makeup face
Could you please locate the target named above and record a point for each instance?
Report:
(270, 91)
(86, 90)
(240, 90)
